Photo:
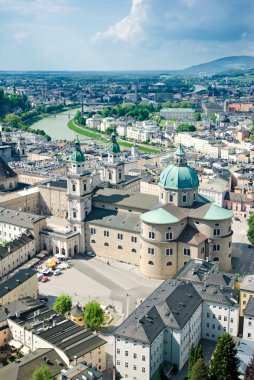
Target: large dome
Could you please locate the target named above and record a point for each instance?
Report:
(179, 177)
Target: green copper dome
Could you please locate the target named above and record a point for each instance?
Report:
(77, 155)
(179, 176)
(114, 147)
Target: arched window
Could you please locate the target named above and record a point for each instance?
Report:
(216, 259)
(63, 251)
(120, 175)
(106, 244)
(169, 263)
(93, 241)
(84, 186)
(10, 185)
(133, 250)
(109, 175)
(119, 247)
(150, 263)
(57, 250)
(73, 187)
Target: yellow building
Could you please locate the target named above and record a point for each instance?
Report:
(246, 291)
(77, 315)
(22, 284)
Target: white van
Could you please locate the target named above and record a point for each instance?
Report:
(57, 272)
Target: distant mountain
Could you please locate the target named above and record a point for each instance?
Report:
(239, 63)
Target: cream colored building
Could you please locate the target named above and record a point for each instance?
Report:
(246, 292)
(24, 283)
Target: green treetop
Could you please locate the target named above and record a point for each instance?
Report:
(224, 364)
(93, 315)
(199, 370)
(63, 304)
(42, 372)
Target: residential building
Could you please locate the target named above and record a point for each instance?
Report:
(246, 292)
(248, 320)
(24, 283)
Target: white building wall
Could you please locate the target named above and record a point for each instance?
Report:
(219, 318)
(132, 359)
(248, 328)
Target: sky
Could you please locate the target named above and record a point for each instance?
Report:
(122, 34)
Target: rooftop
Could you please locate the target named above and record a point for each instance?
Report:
(19, 218)
(16, 280)
(249, 310)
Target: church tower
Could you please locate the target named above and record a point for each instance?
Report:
(114, 168)
(79, 193)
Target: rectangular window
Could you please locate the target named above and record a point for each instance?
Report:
(184, 198)
(186, 251)
(118, 362)
(216, 247)
(120, 236)
(135, 367)
(143, 370)
(151, 235)
(225, 319)
(135, 355)
(118, 351)
(126, 365)
(134, 239)
(169, 251)
(169, 236)
(208, 315)
(150, 251)
(74, 214)
(106, 233)
(93, 231)
(126, 353)
(216, 231)
(171, 197)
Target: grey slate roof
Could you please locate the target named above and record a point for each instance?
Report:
(14, 245)
(192, 236)
(5, 170)
(16, 280)
(249, 310)
(114, 219)
(19, 218)
(171, 304)
(23, 369)
(125, 199)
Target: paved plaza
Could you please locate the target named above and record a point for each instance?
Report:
(115, 284)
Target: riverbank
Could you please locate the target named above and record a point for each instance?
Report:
(83, 131)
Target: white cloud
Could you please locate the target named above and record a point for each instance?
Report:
(129, 29)
(31, 6)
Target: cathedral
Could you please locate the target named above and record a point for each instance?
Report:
(98, 211)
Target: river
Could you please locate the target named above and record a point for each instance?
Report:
(56, 125)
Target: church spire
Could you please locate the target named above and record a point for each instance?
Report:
(180, 156)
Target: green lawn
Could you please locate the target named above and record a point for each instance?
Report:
(97, 136)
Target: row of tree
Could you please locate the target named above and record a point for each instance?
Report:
(11, 102)
(93, 313)
(223, 365)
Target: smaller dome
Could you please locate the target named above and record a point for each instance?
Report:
(76, 311)
(77, 155)
(114, 146)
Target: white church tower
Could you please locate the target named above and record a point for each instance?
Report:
(114, 168)
(79, 193)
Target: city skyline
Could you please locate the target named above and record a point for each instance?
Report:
(127, 35)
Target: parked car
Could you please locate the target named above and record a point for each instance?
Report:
(90, 254)
(57, 272)
(43, 299)
(45, 279)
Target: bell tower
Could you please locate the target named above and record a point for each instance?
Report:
(79, 193)
(114, 168)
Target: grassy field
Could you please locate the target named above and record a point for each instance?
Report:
(97, 136)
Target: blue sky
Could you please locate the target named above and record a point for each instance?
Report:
(122, 34)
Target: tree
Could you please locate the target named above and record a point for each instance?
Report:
(93, 315)
(195, 353)
(42, 372)
(250, 234)
(185, 128)
(63, 304)
(197, 116)
(249, 373)
(224, 364)
(199, 370)
(160, 374)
